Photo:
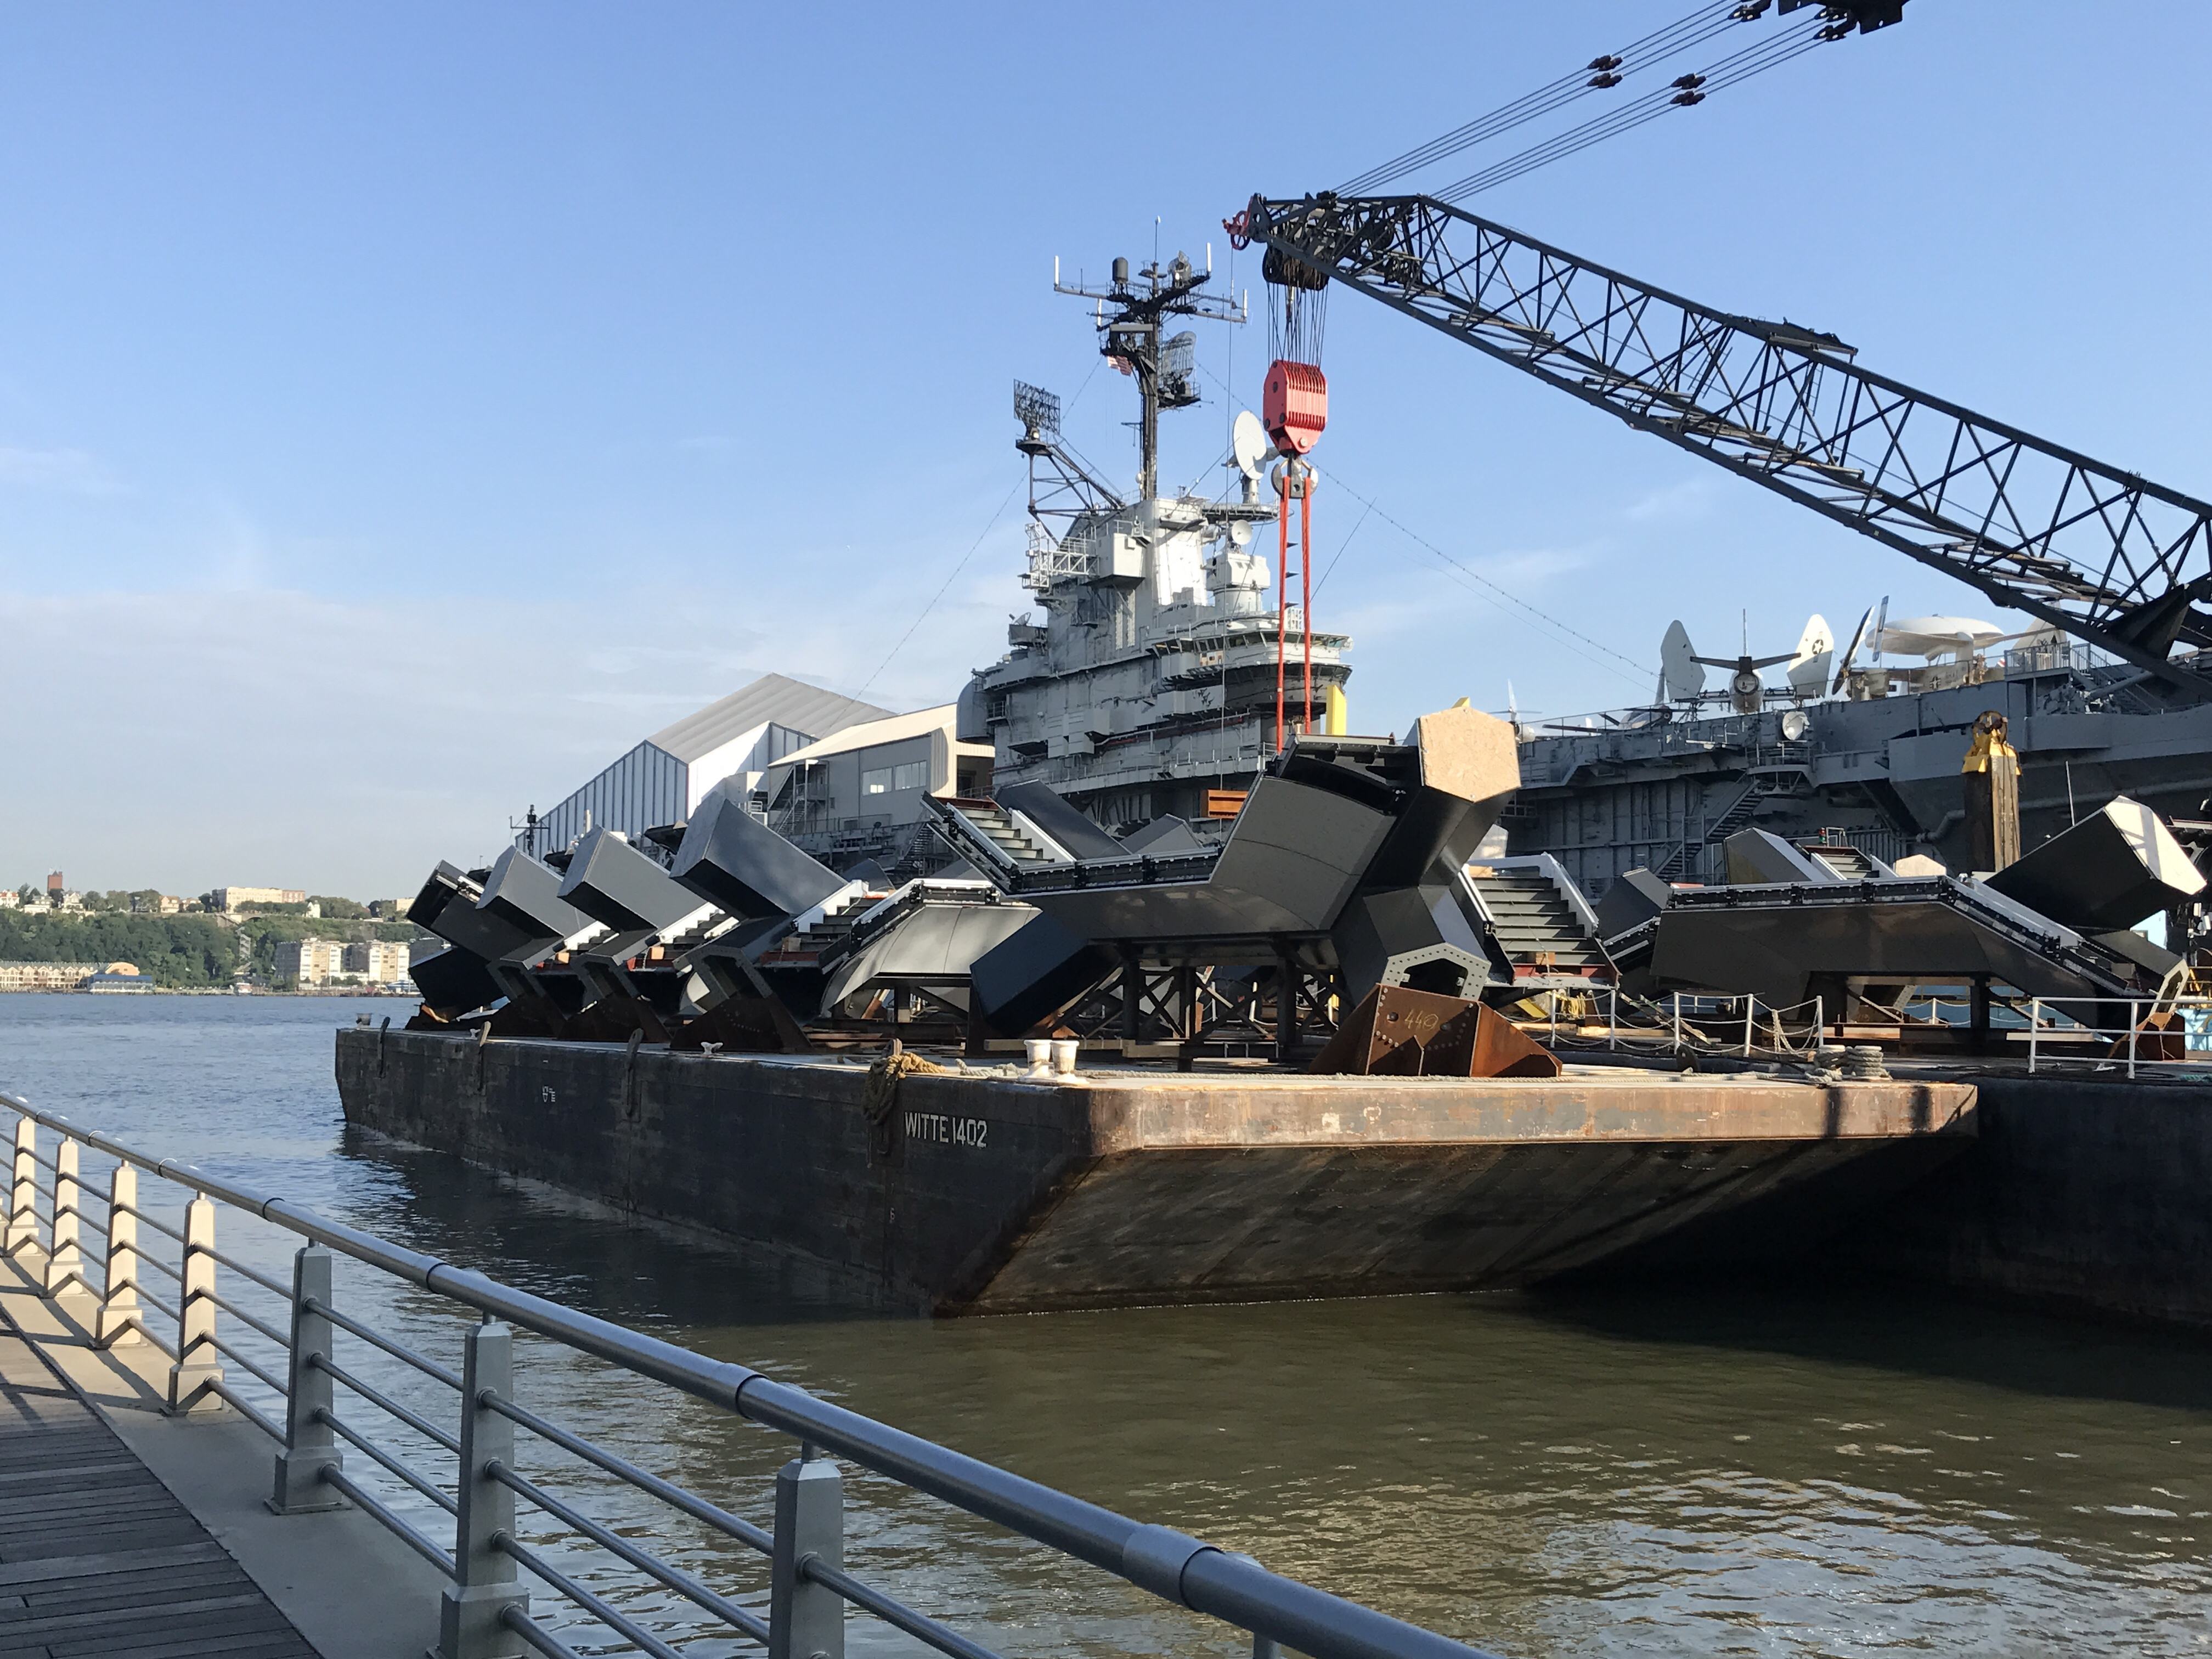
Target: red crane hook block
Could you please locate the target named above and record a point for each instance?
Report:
(1294, 405)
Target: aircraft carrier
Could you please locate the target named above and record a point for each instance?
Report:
(1870, 755)
(1463, 1007)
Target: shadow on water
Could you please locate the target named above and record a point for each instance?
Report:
(1893, 1325)
(587, 1254)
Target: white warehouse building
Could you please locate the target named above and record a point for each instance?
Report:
(664, 779)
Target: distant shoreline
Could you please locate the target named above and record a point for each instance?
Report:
(221, 991)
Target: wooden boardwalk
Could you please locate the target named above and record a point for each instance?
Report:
(96, 1555)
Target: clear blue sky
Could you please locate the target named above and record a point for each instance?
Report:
(404, 408)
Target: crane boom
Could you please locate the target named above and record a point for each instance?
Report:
(2106, 556)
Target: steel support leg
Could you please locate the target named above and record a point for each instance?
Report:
(310, 1445)
(472, 1610)
(199, 1364)
(806, 1621)
(117, 1324)
(65, 1263)
(23, 1191)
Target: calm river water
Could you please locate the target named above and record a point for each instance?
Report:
(1819, 1470)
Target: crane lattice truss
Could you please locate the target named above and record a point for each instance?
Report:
(2105, 556)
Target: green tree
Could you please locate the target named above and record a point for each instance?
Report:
(178, 953)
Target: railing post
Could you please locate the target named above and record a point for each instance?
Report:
(1613, 1015)
(198, 1364)
(65, 1263)
(1678, 1023)
(806, 1621)
(310, 1445)
(23, 1191)
(2134, 1023)
(117, 1324)
(1750, 1013)
(471, 1612)
(2034, 1029)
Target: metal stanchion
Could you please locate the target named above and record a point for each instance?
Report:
(117, 1324)
(806, 1618)
(472, 1611)
(198, 1365)
(65, 1263)
(311, 1445)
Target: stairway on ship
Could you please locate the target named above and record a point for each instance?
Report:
(1846, 861)
(827, 934)
(1535, 924)
(994, 824)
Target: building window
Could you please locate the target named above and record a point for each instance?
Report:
(884, 779)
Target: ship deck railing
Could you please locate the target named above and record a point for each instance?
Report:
(446, 1458)
(2140, 1036)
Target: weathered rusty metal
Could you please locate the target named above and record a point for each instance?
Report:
(1398, 1032)
(743, 1024)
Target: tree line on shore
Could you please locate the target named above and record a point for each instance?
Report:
(183, 952)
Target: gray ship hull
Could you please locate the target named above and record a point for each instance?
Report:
(1664, 796)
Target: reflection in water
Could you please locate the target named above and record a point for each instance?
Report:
(1821, 1469)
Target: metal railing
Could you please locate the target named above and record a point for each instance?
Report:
(1678, 1024)
(478, 1483)
(2131, 1035)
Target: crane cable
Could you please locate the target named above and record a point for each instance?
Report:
(1687, 92)
(1494, 594)
(1611, 69)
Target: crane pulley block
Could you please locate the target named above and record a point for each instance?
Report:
(1294, 405)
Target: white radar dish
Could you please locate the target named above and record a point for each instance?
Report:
(1248, 442)
(1679, 667)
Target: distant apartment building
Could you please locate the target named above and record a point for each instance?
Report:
(334, 960)
(47, 975)
(231, 900)
(11, 899)
(311, 961)
(155, 904)
(378, 961)
(55, 886)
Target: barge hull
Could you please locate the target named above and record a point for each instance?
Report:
(978, 1192)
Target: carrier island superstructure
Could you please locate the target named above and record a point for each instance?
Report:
(1149, 688)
